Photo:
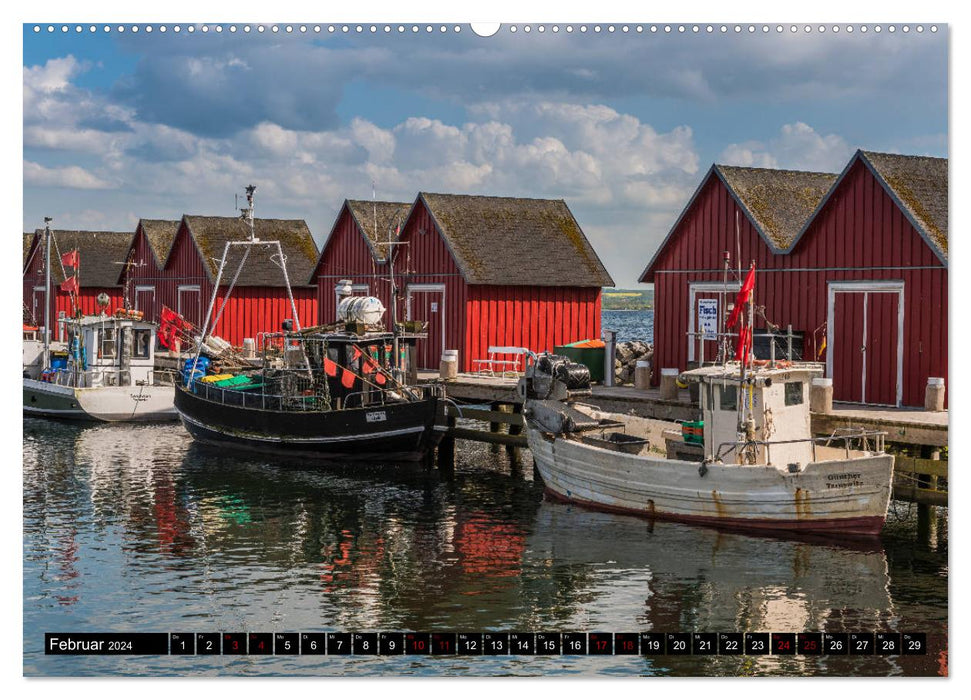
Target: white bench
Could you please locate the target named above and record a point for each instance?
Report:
(488, 366)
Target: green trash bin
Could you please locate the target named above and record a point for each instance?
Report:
(592, 358)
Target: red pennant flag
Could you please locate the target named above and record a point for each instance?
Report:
(330, 367)
(742, 299)
(70, 285)
(744, 347)
(168, 315)
(370, 366)
(347, 379)
(357, 354)
(380, 379)
(70, 259)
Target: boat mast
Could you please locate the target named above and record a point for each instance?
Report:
(394, 296)
(47, 291)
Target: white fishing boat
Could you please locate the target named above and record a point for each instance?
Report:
(766, 472)
(105, 371)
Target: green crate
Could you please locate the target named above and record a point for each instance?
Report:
(693, 431)
(592, 358)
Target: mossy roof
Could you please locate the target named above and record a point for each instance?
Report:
(778, 202)
(377, 222)
(516, 241)
(101, 254)
(28, 242)
(160, 234)
(211, 233)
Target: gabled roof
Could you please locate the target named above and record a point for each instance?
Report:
(514, 241)
(101, 254)
(918, 185)
(376, 221)
(28, 244)
(778, 203)
(160, 234)
(211, 233)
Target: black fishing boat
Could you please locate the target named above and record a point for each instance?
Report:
(333, 393)
(326, 395)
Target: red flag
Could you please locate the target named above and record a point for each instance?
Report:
(347, 379)
(379, 379)
(357, 354)
(744, 344)
(70, 259)
(168, 315)
(330, 367)
(370, 366)
(742, 299)
(70, 285)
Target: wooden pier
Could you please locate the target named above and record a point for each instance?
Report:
(918, 437)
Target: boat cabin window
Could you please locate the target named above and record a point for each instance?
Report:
(794, 393)
(142, 343)
(108, 344)
(729, 397)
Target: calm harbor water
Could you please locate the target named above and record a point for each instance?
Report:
(137, 528)
(630, 325)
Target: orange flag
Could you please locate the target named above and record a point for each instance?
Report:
(330, 367)
(379, 379)
(347, 379)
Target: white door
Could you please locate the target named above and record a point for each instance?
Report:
(865, 341)
(707, 295)
(38, 306)
(190, 304)
(145, 301)
(426, 302)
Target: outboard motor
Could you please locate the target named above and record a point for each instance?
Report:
(554, 377)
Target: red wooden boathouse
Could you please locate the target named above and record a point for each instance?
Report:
(101, 255)
(145, 264)
(856, 262)
(185, 279)
(355, 251)
(501, 271)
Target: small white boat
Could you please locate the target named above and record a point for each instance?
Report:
(757, 466)
(107, 373)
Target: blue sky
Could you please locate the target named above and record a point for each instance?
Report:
(621, 126)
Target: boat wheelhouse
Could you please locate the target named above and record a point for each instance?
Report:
(107, 372)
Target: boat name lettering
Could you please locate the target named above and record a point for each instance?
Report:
(376, 416)
(140, 397)
(844, 480)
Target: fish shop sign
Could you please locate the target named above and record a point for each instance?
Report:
(708, 318)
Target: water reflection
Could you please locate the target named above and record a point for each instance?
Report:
(140, 528)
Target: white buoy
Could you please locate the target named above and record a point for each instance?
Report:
(366, 310)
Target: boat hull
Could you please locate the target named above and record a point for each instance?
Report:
(394, 432)
(108, 404)
(846, 496)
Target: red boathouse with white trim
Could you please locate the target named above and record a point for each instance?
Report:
(856, 262)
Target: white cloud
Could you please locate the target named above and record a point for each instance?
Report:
(797, 147)
(71, 176)
(53, 76)
(606, 164)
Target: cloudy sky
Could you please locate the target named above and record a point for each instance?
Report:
(121, 126)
